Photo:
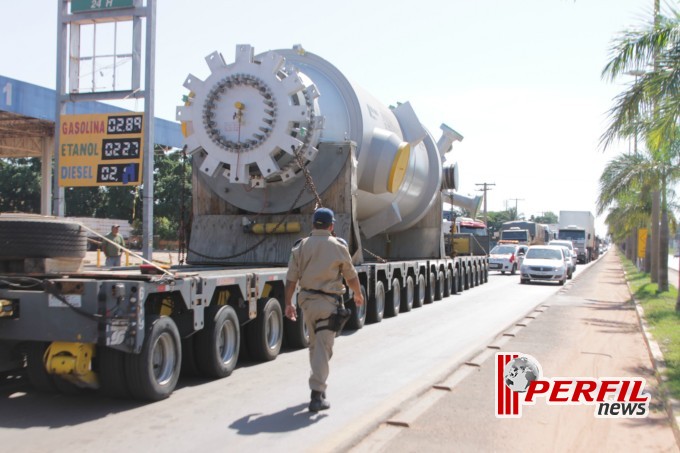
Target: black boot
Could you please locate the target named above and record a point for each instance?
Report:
(318, 402)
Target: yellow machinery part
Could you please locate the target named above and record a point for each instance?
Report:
(268, 228)
(167, 307)
(266, 290)
(72, 360)
(399, 166)
(6, 308)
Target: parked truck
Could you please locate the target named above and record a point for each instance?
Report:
(525, 232)
(271, 137)
(579, 227)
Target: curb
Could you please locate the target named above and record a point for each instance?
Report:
(671, 405)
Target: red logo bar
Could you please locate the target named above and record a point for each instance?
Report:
(507, 401)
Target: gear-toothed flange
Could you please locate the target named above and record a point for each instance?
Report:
(250, 117)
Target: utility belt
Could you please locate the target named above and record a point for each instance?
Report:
(337, 320)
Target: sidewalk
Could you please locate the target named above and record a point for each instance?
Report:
(588, 329)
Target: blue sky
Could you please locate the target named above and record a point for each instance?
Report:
(519, 79)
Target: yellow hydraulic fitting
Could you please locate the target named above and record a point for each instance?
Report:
(71, 359)
(269, 228)
(6, 308)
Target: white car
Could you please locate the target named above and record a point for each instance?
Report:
(544, 263)
(570, 245)
(506, 258)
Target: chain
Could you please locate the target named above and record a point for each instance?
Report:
(379, 258)
(182, 250)
(309, 183)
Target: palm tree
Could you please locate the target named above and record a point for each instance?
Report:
(651, 106)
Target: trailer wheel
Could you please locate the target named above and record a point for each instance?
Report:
(408, 294)
(394, 299)
(111, 372)
(265, 333)
(439, 287)
(295, 332)
(216, 347)
(376, 306)
(41, 238)
(358, 318)
(153, 373)
(431, 288)
(448, 282)
(421, 291)
(38, 376)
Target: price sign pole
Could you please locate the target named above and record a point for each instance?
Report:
(95, 149)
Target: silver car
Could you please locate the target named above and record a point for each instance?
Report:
(544, 263)
(570, 246)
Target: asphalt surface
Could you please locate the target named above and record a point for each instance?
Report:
(589, 329)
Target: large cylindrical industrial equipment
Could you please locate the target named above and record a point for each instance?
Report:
(252, 124)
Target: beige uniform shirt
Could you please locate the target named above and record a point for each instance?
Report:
(320, 262)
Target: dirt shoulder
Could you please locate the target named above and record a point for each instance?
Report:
(589, 329)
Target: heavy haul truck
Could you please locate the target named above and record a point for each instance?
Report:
(272, 137)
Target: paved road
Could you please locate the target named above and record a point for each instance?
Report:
(588, 329)
(263, 406)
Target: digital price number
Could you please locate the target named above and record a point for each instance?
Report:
(124, 124)
(118, 173)
(121, 148)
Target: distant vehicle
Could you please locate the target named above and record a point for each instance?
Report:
(544, 263)
(579, 227)
(571, 267)
(506, 258)
(572, 250)
(525, 232)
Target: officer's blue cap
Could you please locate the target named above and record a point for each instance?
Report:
(323, 216)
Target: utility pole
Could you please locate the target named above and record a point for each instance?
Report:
(485, 188)
(516, 211)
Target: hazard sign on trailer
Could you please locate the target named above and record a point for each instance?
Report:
(101, 149)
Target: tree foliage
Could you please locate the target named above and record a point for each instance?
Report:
(20, 192)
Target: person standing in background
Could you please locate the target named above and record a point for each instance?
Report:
(112, 252)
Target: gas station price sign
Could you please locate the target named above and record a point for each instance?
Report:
(101, 150)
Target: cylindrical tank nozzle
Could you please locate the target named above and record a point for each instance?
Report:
(450, 177)
(446, 140)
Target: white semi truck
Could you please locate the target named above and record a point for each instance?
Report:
(271, 137)
(579, 227)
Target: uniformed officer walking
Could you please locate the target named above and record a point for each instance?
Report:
(319, 263)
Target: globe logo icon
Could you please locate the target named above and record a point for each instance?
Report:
(519, 373)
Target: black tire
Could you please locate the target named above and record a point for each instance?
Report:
(376, 306)
(37, 374)
(431, 288)
(217, 346)
(393, 299)
(111, 372)
(153, 373)
(296, 332)
(502, 272)
(448, 283)
(561, 282)
(467, 278)
(421, 292)
(408, 294)
(265, 333)
(41, 238)
(523, 280)
(439, 286)
(358, 318)
(189, 367)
